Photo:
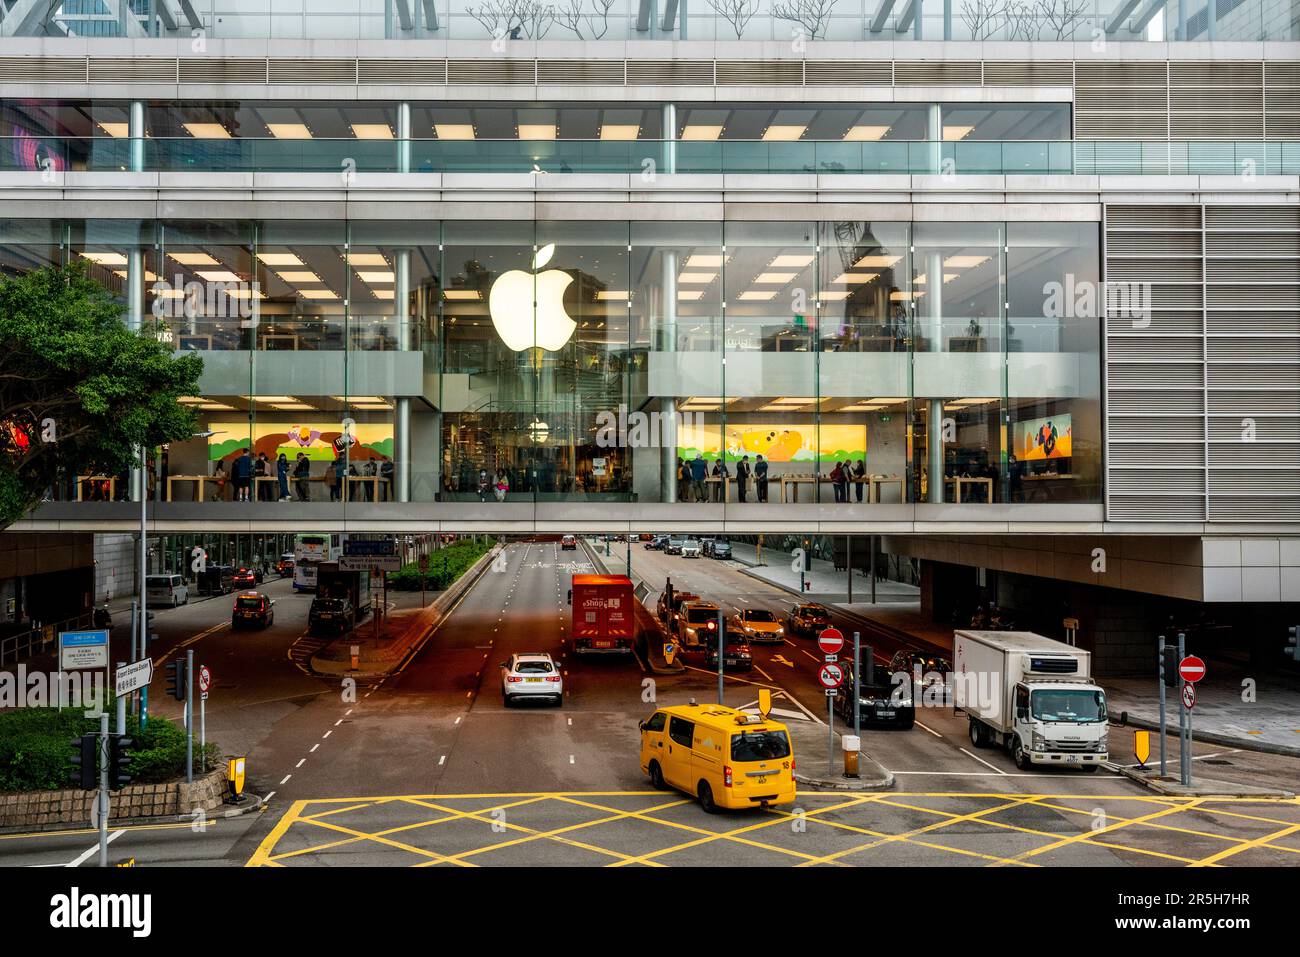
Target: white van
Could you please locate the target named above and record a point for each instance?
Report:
(168, 590)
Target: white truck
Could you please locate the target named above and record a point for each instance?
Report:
(1032, 695)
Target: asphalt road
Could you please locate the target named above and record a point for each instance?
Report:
(428, 766)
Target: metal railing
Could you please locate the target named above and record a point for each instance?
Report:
(349, 158)
(39, 639)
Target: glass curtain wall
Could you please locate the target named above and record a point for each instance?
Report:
(861, 363)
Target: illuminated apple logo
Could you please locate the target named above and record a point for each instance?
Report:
(528, 307)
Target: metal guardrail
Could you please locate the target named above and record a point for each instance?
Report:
(38, 640)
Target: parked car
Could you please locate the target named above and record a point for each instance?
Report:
(568, 543)
(690, 548)
(166, 589)
(808, 620)
(531, 675)
(758, 625)
(216, 580)
(252, 608)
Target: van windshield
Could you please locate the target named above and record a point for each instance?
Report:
(759, 746)
(1075, 706)
(158, 581)
(701, 615)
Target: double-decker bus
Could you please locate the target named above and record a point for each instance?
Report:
(308, 552)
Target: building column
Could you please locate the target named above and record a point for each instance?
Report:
(135, 131)
(668, 404)
(402, 450)
(934, 133)
(404, 137)
(669, 133)
(934, 445)
(402, 406)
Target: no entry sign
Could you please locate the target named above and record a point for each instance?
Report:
(830, 641)
(1191, 669)
(830, 675)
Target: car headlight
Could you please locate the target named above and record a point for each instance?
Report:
(1036, 742)
(1103, 744)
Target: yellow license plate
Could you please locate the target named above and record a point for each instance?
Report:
(534, 680)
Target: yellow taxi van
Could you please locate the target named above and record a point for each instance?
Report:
(724, 757)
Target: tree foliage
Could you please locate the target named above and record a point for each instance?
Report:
(79, 392)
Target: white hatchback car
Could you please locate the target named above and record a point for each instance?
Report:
(531, 675)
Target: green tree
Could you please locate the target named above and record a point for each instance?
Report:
(79, 392)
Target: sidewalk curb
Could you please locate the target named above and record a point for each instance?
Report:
(882, 781)
(458, 590)
(258, 803)
(1224, 740)
(1212, 789)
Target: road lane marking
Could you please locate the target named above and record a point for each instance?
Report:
(982, 761)
(300, 763)
(931, 730)
(442, 760)
(327, 733)
(571, 761)
(762, 672)
(783, 660)
(338, 722)
(810, 655)
(458, 717)
(286, 778)
(314, 747)
(93, 849)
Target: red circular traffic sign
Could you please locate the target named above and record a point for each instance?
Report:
(1189, 696)
(830, 641)
(1191, 669)
(205, 678)
(830, 675)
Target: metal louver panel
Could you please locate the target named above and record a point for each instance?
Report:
(1148, 508)
(1188, 269)
(848, 73)
(1187, 454)
(222, 70)
(937, 73)
(1225, 508)
(394, 72)
(1166, 481)
(1251, 370)
(492, 72)
(1143, 347)
(1173, 322)
(1029, 73)
(580, 72)
(304, 72)
(670, 72)
(42, 69)
(760, 73)
(1141, 242)
(140, 69)
(1285, 218)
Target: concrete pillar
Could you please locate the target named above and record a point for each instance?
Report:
(402, 450)
(934, 133)
(670, 137)
(934, 299)
(135, 130)
(668, 404)
(403, 137)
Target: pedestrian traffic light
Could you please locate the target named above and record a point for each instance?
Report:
(119, 759)
(1292, 649)
(176, 679)
(83, 762)
(1169, 667)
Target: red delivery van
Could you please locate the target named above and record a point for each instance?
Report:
(604, 618)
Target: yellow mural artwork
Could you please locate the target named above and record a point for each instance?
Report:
(829, 442)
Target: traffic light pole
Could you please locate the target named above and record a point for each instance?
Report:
(1184, 757)
(1160, 655)
(103, 788)
(189, 716)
